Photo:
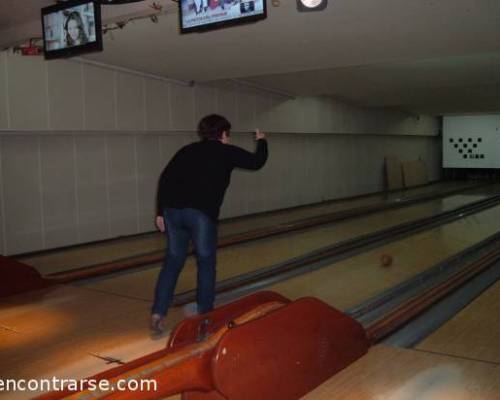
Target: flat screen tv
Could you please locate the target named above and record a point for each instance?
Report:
(71, 28)
(201, 15)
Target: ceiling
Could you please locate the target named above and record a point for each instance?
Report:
(425, 56)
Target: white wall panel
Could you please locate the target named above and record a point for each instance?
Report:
(226, 100)
(91, 183)
(289, 115)
(263, 112)
(182, 107)
(99, 98)
(157, 105)
(4, 108)
(122, 184)
(130, 98)
(330, 168)
(66, 106)
(149, 167)
(27, 88)
(21, 193)
(287, 169)
(58, 190)
(343, 163)
(246, 100)
(273, 122)
(205, 101)
(277, 171)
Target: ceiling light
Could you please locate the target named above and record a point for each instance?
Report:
(311, 5)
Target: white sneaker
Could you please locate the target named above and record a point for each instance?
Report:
(190, 309)
(157, 324)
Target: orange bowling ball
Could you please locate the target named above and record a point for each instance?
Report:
(385, 260)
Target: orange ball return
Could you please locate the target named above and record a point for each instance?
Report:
(263, 346)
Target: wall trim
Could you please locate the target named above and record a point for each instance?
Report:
(193, 132)
(113, 67)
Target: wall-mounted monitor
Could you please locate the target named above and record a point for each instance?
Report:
(71, 28)
(201, 15)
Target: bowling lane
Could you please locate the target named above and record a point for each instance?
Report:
(473, 333)
(348, 283)
(60, 327)
(61, 332)
(248, 257)
(91, 254)
(387, 373)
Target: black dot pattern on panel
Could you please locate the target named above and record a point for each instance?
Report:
(468, 147)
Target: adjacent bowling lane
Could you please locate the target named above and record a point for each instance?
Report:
(91, 254)
(459, 361)
(388, 373)
(350, 282)
(474, 333)
(248, 257)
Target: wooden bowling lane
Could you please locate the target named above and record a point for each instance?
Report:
(388, 373)
(75, 322)
(64, 331)
(59, 328)
(264, 220)
(348, 283)
(107, 251)
(474, 333)
(90, 254)
(248, 257)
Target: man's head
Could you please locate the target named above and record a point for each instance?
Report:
(214, 127)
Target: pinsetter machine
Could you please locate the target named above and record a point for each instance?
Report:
(263, 346)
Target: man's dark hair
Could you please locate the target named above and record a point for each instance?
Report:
(212, 126)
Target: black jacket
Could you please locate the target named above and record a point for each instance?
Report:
(199, 174)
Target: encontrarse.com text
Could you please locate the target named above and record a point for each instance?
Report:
(58, 384)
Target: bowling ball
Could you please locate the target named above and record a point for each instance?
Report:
(385, 260)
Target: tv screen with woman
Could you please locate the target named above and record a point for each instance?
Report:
(71, 28)
(77, 32)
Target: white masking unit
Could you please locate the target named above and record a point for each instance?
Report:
(471, 141)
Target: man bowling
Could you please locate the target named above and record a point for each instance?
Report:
(190, 193)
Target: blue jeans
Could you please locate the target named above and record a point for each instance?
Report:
(183, 224)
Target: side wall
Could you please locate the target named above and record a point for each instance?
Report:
(81, 148)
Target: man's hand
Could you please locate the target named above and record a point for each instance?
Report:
(160, 223)
(259, 134)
